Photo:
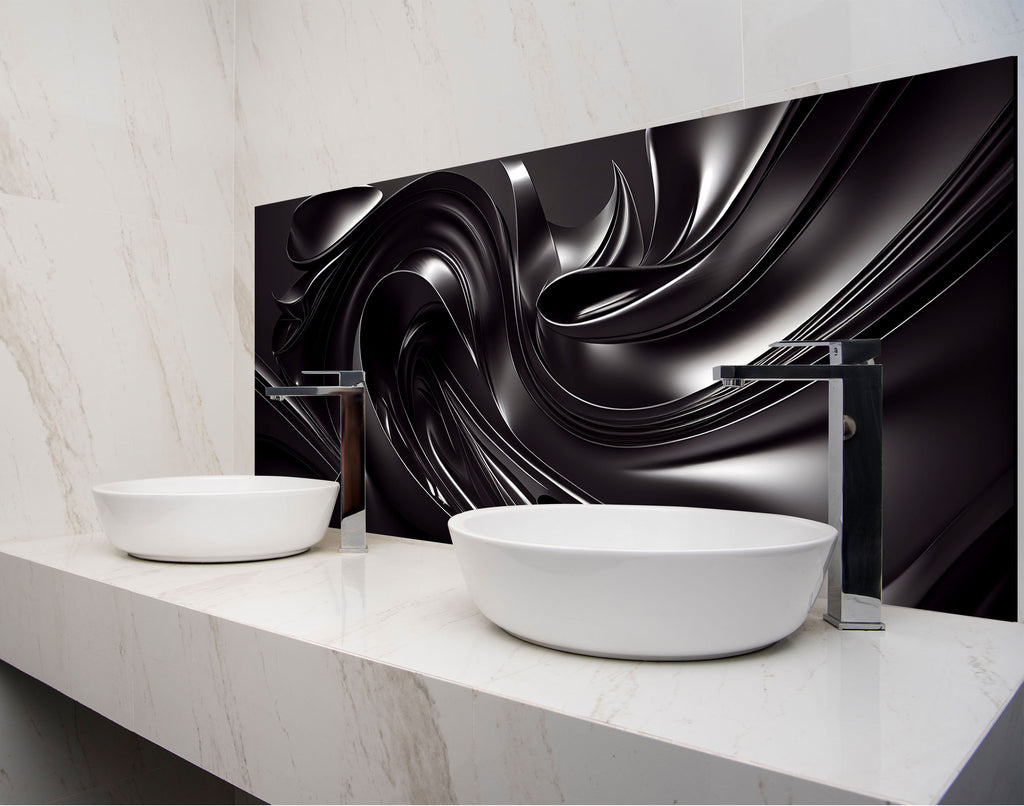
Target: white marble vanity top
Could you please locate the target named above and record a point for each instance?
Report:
(219, 662)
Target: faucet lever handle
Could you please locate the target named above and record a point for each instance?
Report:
(842, 351)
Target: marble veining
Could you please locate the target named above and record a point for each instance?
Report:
(384, 657)
(244, 350)
(539, 89)
(66, 138)
(102, 110)
(116, 210)
(94, 360)
(49, 389)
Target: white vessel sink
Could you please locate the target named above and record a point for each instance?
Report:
(642, 582)
(209, 519)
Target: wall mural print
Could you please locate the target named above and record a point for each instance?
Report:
(542, 328)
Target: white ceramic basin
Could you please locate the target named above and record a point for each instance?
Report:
(209, 519)
(642, 582)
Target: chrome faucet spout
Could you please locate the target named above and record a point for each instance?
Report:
(854, 469)
(348, 388)
(792, 372)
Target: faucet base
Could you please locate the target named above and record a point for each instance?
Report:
(353, 533)
(853, 625)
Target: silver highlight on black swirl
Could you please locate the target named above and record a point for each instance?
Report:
(543, 327)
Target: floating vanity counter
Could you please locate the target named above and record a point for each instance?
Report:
(373, 678)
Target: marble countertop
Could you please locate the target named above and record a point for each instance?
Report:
(215, 661)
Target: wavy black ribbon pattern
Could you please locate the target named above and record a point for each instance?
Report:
(512, 359)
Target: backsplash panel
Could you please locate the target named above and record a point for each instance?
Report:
(543, 327)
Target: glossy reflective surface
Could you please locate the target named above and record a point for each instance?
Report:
(542, 327)
(391, 641)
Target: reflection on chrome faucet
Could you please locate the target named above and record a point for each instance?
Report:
(854, 469)
(348, 388)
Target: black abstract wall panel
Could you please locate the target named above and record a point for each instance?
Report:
(542, 328)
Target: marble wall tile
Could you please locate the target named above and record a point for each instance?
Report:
(905, 64)
(120, 105)
(802, 41)
(560, 72)
(333, 94)
(116, 203)
(115, 346)
(243, 352)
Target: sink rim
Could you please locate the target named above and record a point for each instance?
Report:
(138, 487)
(827, 533)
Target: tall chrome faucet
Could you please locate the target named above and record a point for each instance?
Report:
(348, 388)
(854, 469)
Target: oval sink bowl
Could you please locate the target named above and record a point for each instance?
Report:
(213, 519)
(642, 582)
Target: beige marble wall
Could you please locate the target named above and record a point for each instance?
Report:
(116, 194)
(116, 317)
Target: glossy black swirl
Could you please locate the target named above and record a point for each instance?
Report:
(515, 355)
